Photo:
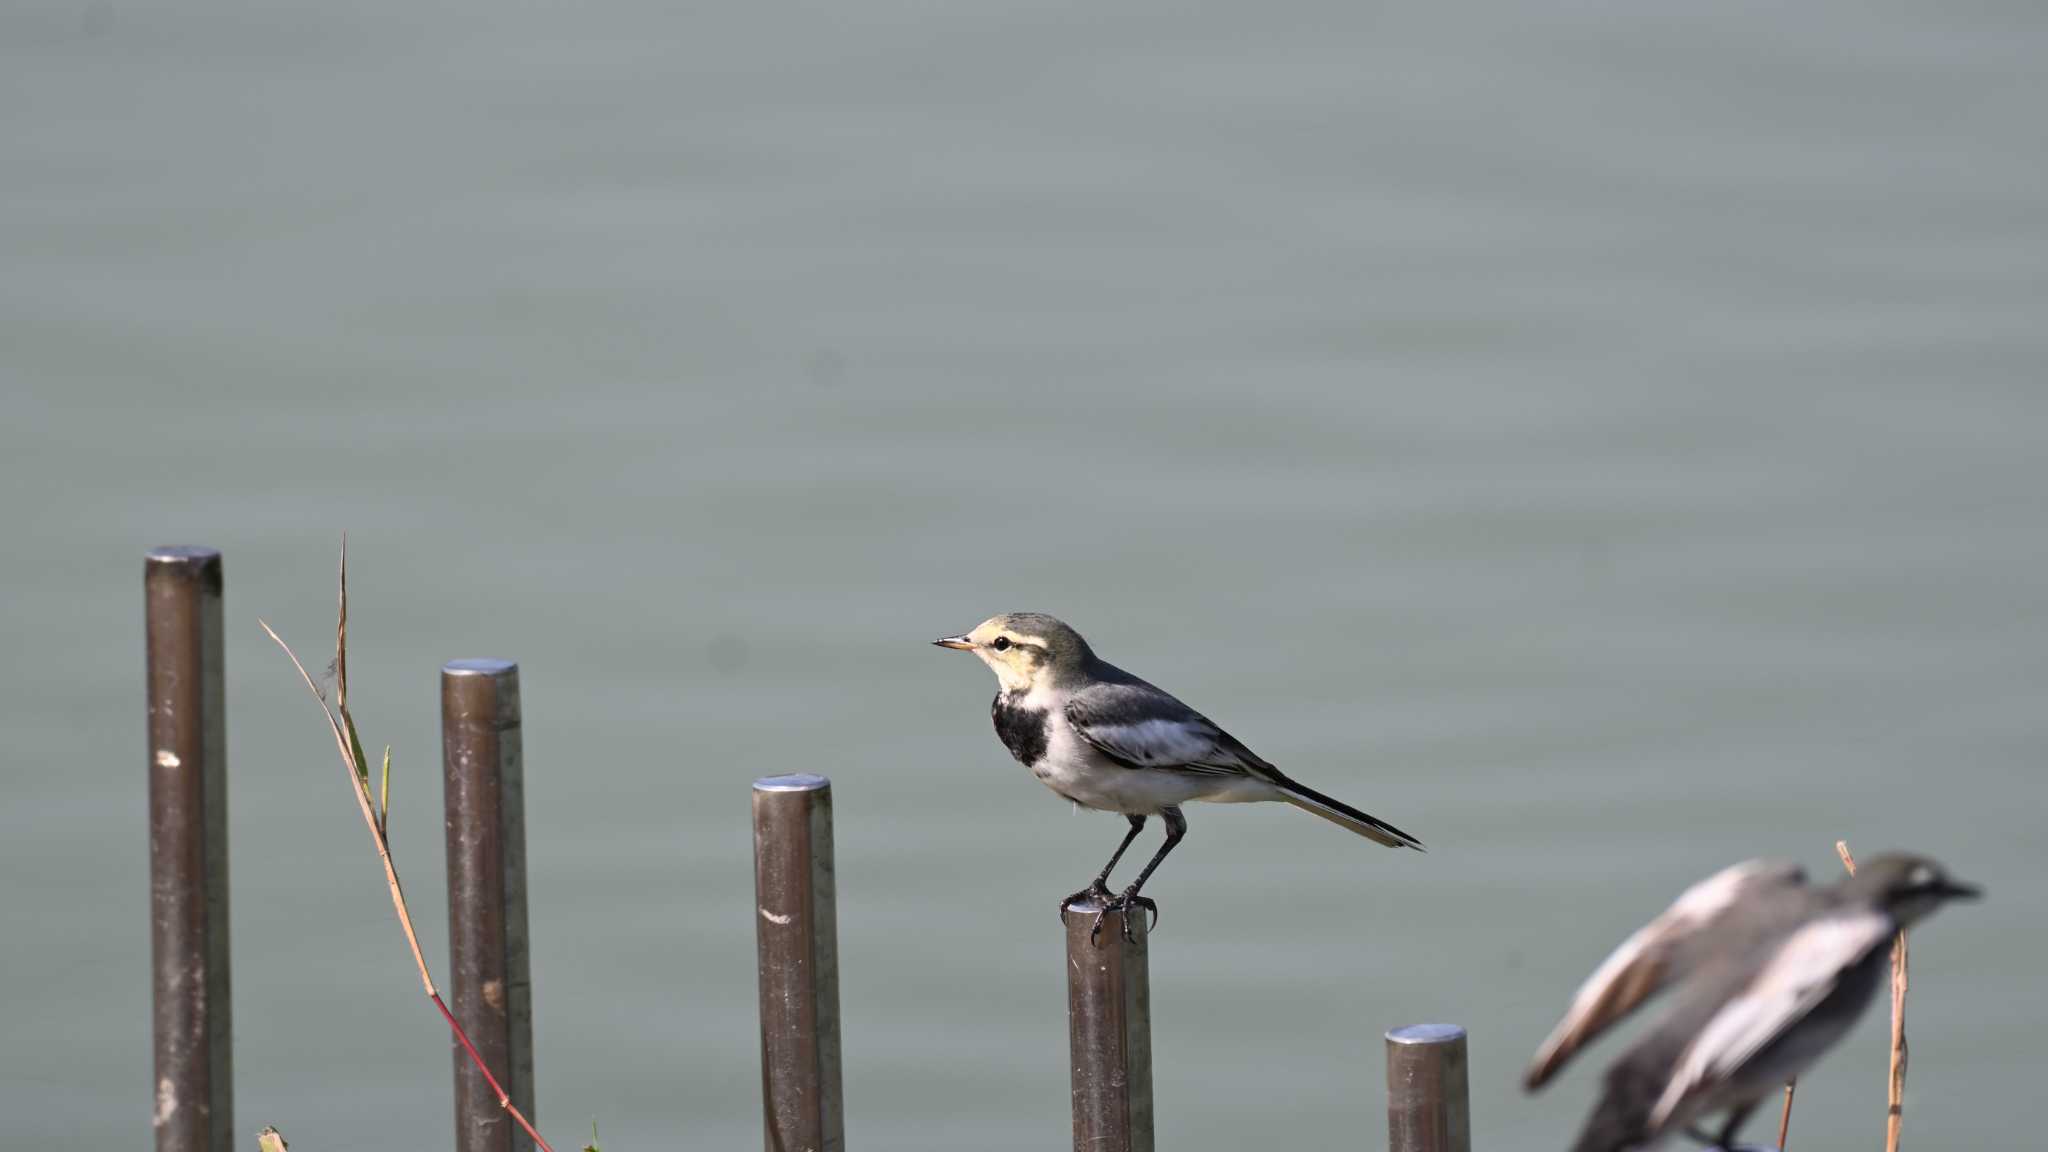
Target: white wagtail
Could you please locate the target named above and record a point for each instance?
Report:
(1105, 739)
(1770, 972)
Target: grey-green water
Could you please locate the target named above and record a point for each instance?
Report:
(1607, 441)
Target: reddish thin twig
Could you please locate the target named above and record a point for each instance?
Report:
(1895, 1085)
(1895, 1110)
(1785, 1116)
(344, 730)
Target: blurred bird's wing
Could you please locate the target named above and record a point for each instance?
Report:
(1140, 726)
(1799, 975)
(1660, 952)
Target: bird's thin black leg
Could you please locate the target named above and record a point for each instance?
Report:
(1099, 889)
(1726, 1141)
(1176, 827)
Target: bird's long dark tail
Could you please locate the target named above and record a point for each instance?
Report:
(1338, 812)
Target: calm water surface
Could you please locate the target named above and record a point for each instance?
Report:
(1607, 442)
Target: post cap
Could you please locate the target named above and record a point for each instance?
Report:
(183, 554)
(479, 667)
(184, 565)
(1426, 1034)
(793, 782)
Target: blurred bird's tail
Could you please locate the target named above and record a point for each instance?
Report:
(1338, 812)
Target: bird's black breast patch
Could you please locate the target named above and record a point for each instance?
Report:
(1022, 730)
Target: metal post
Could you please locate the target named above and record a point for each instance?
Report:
(796, 926)
(1428, 1103)
(484, 786)
(188, 851)
(1109, 1031)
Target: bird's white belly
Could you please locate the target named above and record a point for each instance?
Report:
(1792, 1054)
(1077, 770)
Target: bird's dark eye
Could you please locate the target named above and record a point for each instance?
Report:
(1002, 643)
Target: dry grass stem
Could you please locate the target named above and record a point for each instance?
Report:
(1895, 1111)
(376, 816)
(1895, 1088)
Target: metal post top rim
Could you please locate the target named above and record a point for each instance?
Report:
(477, 666)
(1092, 904)
(183, 554)
(792, 782)
(1425, 1034)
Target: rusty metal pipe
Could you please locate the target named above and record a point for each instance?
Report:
(188, 851)
(796, 926)
(484, 786)
(1428, 1102)
(1109, 1031)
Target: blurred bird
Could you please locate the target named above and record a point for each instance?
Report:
(1105, 739)
(1770, 973)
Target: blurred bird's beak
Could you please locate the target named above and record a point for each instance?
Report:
(1955, 891)
(960, 642)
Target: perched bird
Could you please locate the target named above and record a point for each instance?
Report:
(1105, 739)
(1769, 973)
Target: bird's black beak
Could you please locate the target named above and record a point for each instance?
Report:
(1950, 890)
(960, 642)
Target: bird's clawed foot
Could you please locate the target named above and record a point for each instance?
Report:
(1709, 1142)
(1106, 902)
(1096, 893)
(1123, 902)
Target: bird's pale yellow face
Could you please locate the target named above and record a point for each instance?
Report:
(1022, 649)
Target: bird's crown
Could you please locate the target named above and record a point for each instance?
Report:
(1035, 628)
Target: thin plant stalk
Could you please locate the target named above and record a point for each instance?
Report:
(1895, 1088)
(1785, 1116)
(376, 817)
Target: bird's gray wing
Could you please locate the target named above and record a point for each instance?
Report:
(1140, 726)
(1799, 975)
(1660, 952)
